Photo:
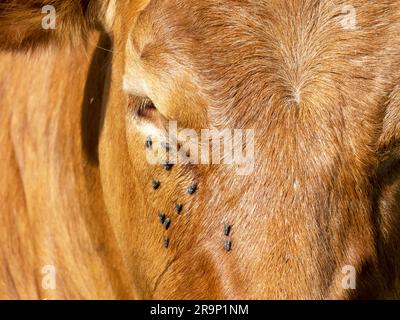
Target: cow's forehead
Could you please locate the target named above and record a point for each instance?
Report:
(178, 26)
(228, 47)
(253, 53)
(193, 34)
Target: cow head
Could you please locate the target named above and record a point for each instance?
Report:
(313, 105)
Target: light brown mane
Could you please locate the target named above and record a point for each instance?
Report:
(51, 198)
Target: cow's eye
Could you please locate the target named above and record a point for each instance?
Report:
(144, 110)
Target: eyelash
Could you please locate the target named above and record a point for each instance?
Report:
(145, 105)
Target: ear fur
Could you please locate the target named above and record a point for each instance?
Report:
(21, 22)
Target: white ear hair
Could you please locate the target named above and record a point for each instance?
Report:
(109, 15)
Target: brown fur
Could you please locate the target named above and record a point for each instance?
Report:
(324, 103)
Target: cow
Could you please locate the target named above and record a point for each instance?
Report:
(86, 98)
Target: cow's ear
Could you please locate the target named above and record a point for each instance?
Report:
(26, 24)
